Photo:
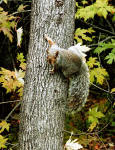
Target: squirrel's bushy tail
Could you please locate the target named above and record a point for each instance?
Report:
(78, 88)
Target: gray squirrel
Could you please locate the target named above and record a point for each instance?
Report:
(73, 66)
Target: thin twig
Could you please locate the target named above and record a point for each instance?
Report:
(109, 37)
(12, 111)
(83, 133)
(103, 127)
(98, 44)
(101, 89)
(110, 25)
(13, 145)
(20, 12)
(101, 141)
(96, 27)
(10, 102)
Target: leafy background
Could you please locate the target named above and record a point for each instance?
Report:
(93, 126)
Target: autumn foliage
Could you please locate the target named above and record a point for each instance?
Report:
(93, 126)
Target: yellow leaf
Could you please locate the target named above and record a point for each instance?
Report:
(5, 1)
(2, 142)
(23, 66)
(113, 90)
(99, 74)
(93, 62)
(21, 8)
(92, 126)
(4, 125)
(20, 92)
(81, 34)
(1, 9)
(7, 33)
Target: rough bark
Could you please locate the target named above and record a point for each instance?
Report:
(44, 99)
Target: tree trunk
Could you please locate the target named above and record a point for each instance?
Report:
(44, 99)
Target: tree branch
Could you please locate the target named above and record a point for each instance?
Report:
(96, 27)
(10, 102)
(101, 89)
(20, 12)
(109, 37)
(12, 111)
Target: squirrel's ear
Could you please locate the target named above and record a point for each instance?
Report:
(47, 50)
(50, 41)
(56, 54)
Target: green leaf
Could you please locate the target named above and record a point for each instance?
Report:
(84, 2)
(113, 124)
(93, 117)
(95, 113)
(105, 46)
(20, 57)
(110, 57)
(113, 19)
(77, 4)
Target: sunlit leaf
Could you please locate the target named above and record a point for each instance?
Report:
(3, 142)
(1, 9)
(20, 57)
(84, 2)
(5, 1)
(7, 32)
(93, 117)
(4, 125)
(99, 74)
(7, 23)
(92, 62)
(100, 8)
(21, 8)
(92, 126)
(81, 34)
(110, 58)
(113, 90)
(105, 46)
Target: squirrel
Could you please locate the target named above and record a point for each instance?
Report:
(73, 66)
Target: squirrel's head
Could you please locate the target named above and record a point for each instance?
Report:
(52, 57)
(53, 51)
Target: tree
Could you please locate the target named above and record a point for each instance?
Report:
(44, 98)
